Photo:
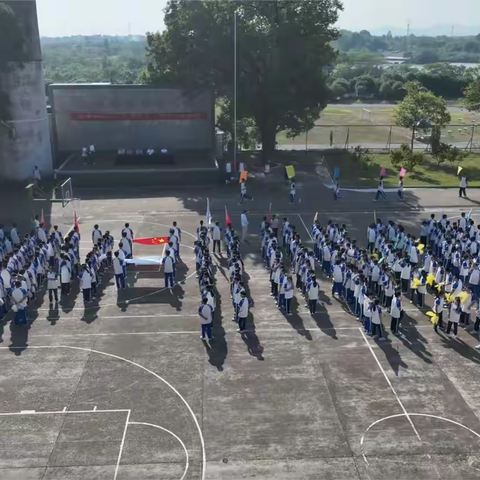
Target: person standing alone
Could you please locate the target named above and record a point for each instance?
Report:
(244, 222)
(463, 187)
(206, 318)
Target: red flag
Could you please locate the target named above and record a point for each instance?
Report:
(151, 240)
(75, 221)
(42, 219)
(227, 217)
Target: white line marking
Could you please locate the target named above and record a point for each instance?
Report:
(121, 446)
(195, 420)
(64, 409)
(187, 464)
(59, 412)
(412, 415)
(95, 408)
(398, 399)
(390, 384)
(308, 231)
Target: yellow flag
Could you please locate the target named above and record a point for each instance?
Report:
(459, 170)
(315, 218)
(433, 317)
(430, 279)
(290, 171)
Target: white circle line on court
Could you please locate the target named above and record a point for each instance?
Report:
(158, 377)
(412, 415)
(187, 460)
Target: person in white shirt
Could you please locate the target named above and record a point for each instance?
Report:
(168, 269)
(14, 235)
(337, 279)
(206, 319)
(84, 155)
(118, 270)
(20, 300)
(52, 285)
(65, 276)
(243, 192)
(42, 236)
(463, 187)
(128, 231)
(474, 280)
(380, 190)
(243, 308)
(396, 312)
(313, 292)
(405, 276)
(216, 237)
(96, 234)
(292, 192)
(376, 319)
(91, 153)
(244, 222)
(36, 175)
(150, 151)
(127, 245)
(228, 172)
(454, 319)
(241, 167)
(86, 283)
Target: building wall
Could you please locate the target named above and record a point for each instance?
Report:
(25, 141)
(131, 117)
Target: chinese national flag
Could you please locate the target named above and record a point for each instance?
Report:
(227, 217)
(151, 240)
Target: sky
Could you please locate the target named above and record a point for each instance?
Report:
(120, 17)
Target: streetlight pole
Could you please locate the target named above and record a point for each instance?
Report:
(235, 90)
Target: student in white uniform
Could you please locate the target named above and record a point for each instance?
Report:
(14, 235)
(396, 312)
(86, 283)
(313, 293)
(454, 318)
(20, 300)
(243, 192)
(52, 285)
(168, 269)
(91, 153)
(463, 187)
(205, 312)
(127, 245)
(243, 308)
(216, 237)
(96, 234)
(84, 155)
(65, 277)
(36, 175)
(244, 222)
(118, 270)
(293, 191)
(376, 319)
(178, 232)
(380, 190)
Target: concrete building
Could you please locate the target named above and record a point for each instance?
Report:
(130, 117)
(25, 136)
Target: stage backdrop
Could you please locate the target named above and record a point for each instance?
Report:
(130, 117)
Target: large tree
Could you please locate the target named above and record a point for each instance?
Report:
(283, 48)
(420, 107)
(472, 96)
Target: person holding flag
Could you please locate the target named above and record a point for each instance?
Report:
(216, 237)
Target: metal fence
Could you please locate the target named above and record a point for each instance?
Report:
(378, 137)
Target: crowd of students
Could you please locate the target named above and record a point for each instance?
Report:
(206, 276)
(48, 259)
(442, 259)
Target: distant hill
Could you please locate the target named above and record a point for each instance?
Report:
(435, 31)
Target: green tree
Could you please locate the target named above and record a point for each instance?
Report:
(404, 157)
(472, 96)
(420, 105)
(283, 47)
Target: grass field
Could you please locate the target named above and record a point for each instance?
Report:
(352, 174)
(376, 130)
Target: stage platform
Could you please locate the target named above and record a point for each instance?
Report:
(188, 169)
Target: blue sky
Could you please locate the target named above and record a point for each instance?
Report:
(113, 17)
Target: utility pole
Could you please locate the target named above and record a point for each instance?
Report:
(235, 90)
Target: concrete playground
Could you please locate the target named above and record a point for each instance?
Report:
(124, 389)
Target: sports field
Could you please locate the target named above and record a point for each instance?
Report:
(372, 128)
(124, 389)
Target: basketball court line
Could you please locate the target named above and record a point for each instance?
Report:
(187, 459)
(402, 406)
(158, 377)
(122, 444)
